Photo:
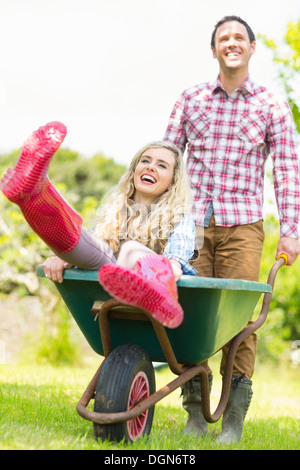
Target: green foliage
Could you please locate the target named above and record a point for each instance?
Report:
(287, 58)
(282, 326)
(84, 178)
(82, 182)
(55, 343)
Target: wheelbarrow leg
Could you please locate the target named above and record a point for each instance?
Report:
(88, 394)
(140, 407)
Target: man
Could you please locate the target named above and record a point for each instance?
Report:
(230, 126)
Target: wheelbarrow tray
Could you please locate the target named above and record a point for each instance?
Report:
(215, 310)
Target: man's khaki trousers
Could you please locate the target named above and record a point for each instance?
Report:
(233, 253)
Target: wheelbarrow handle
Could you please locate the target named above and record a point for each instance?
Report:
(235, 342)
(284, 256)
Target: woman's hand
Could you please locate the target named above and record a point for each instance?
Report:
(54, 267)
(177, 270)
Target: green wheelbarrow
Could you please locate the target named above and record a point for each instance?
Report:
(216, 311)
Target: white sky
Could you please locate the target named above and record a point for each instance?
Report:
(111, 70)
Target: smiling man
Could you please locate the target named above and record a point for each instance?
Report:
(230, 126)
(233, 45)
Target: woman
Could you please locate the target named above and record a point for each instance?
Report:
(144, 218)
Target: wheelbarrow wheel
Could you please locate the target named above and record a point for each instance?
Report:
(127, 377)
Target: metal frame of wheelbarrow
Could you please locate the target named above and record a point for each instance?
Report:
(185, 372)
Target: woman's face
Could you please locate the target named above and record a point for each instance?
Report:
(153, 174)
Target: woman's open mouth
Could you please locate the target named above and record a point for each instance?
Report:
(148, 179)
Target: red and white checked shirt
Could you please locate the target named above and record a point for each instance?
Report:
(228, 139)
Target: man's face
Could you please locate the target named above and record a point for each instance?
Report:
(232, 47)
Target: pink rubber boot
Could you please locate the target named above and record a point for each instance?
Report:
(150, 285)
(27, 185)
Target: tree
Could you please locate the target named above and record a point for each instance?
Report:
(287, 58)
(283, 324)
(82, 182)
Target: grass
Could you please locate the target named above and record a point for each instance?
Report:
(38, 412)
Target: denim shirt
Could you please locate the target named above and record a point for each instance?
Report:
(181, 245)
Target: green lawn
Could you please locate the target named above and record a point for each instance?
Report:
(38, 411)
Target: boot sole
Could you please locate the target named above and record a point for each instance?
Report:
(33, 162)
(134, 289)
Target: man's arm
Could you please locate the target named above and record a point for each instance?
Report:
(176, 132)
(283, 151)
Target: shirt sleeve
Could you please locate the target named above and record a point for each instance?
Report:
(176, 129)
(182, 244)
(283, 150)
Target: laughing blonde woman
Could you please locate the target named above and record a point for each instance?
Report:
(145, 235)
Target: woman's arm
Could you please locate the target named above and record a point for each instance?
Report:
(181, 246)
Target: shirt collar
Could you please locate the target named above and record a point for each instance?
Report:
(246, 87)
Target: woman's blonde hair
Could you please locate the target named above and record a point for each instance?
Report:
(120, 219)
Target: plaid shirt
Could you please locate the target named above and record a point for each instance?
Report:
(229, 139)
(182, 243)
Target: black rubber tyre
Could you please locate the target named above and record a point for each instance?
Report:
(127, 376)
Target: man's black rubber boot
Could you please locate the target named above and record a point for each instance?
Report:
(236, 410)
(192, 403)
